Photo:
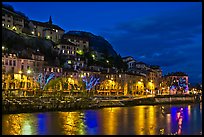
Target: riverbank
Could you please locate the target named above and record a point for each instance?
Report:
(47, 104)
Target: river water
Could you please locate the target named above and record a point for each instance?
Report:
(185, 119)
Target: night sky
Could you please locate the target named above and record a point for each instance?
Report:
(167, 34)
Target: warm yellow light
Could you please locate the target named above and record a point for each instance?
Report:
(20, 72)
(141, 79)
(28, 71)
(3, 47)
(107, 61)
(14, 28)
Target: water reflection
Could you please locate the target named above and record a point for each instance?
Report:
(137, 120)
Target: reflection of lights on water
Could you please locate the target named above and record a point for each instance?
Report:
(26, 129)
(179, 118)
(189, 110)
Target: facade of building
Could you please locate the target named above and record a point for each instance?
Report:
(46, 30)
(12, 20)
(121, 84)
(82, 43)
(176, 83)
(131, 62)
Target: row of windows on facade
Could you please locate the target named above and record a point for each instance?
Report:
(9, 63)
(68, 52)
(77, 41)
(22, 85)
(52, 70)
(9, 20)
(68, 47)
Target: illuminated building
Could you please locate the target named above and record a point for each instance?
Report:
(176, 83)
(12, 20)
(46, 30)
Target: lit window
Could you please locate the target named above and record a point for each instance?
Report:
(119, 76)
(48, 37)
(32, 32)
(8, 25)
(63, 51)
(72, 52)
(2, 24)
(56, 30)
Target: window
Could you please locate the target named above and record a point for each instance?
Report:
(14, 63)
(12, 69)
(63, 47)
(10, 62)
(3, 19)
(8, 21)
(22, 67)
(8, 25)
(3, 25)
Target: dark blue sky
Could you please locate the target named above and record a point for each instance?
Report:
(167, 34)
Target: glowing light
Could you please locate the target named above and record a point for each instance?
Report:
(20, 72)
(3, 47)
(28, 71)
(32, 32)
(80, 52)
(69, 62)
(107, 61)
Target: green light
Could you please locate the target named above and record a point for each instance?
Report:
(80, 52)
(69, 62)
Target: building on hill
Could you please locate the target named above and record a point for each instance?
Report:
(13, 20)
(131, 62)
(81, 42)
(46, 30)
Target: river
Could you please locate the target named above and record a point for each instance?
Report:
(185, 119)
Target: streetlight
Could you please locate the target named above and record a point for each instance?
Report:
(28, 71)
